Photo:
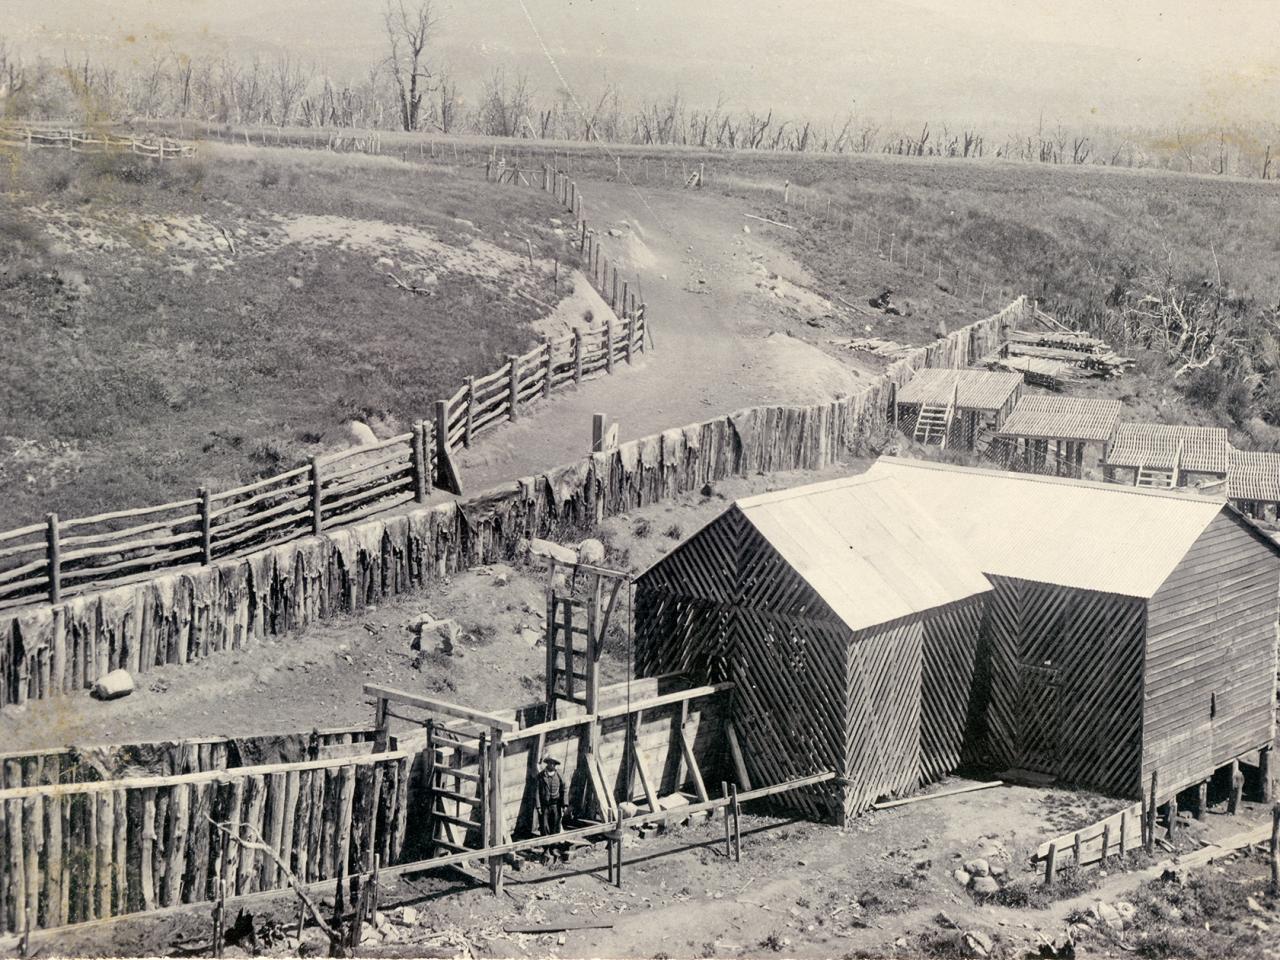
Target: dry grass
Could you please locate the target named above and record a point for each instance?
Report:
(143, 358)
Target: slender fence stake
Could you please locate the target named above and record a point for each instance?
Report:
(53, 550)
(1275, 850)
(577, 355)
(206, 528)
(1106, 841)
(597, 432)
(608, 346)
(546, 380)
(317, 517)
(513, 386)
(421, 469)
(1051, 865)
(469, 430)
(737, 827)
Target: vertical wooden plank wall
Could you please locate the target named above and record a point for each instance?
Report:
(86, 851)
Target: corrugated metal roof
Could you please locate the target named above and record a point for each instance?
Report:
(1204, 449)
(870, 552)
(1067, 418)
(979, 389)
(1254, 475)
(1092, 536)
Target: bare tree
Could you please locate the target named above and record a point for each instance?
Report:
(408, 33)
(288, 84)
(504, 107)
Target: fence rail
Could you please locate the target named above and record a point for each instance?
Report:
(76, 141)
(62, 557)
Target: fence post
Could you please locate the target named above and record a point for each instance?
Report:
(54, 552)
(625, 295)
(513, 385)
(1275, 850)
(597, 432)
(577, 355)
(471, 412)
(608, 346)
(613, 297)
(420, 467)
(317, 516)
(582, 244)
(546, 382)
(629, 325)
(206, 526)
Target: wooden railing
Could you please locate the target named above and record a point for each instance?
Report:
(78, 141)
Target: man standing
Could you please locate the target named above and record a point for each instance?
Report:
(550, 797)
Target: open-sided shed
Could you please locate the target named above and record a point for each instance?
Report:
(848, 621)
(1130, 630)
(952, 407)
(1063, 436)
(1167, 455)
(1253, 483)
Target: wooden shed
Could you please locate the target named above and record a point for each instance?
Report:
(952, 408)
(1167, 455)
(1253, 483)
(1062, 436)
(847, 620)
(1130, 630)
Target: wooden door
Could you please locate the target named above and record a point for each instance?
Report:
(1038, 717)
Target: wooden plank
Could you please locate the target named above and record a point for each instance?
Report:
(441, 707)
(637, 758)
(691, 761)
(739, 765)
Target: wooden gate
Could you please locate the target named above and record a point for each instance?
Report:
(1039, 716)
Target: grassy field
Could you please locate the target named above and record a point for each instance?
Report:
(215, 320)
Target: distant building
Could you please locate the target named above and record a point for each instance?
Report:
(1061, 436)
(1167, 455)
(1253, 483)
(954, 408)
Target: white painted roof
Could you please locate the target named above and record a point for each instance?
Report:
(1092, 536)
(865, 548)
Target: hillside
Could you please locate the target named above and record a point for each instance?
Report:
(212, 320)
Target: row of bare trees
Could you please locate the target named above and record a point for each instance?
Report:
(412, 89)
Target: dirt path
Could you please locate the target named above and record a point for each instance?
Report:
(701, 277)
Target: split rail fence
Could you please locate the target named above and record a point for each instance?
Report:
(79, 141)
(64, 557)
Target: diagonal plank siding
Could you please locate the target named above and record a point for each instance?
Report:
(1211, 649)
(1066, 681)
(953, 694)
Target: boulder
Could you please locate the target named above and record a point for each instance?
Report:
(360, 433)
(408, 916)
(962, 877)
(1104, 914)
(530, 638)
(113, 686)
(1126, 910)
(977, 944)
(985, 885)
(591, 552)
(978, 867)
(628, 809)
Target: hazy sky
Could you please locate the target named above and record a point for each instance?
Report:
(1109, 61)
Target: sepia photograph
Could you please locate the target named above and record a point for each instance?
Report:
(640, 479)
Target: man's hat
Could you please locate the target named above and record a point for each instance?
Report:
(551, 760)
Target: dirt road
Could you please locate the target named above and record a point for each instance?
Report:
(717, 328)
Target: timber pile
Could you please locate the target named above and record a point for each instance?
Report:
(888, 349)
(193, 613)
(1072, 349)
(1051, 374)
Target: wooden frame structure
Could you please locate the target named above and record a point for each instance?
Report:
(1253, 484)
(1057, 435)
(956, 408)
(1167, 455)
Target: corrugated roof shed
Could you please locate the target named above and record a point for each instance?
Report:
(979, 389)
(1155, 445)
(1254, 475)
(1065, 418)
(1092, 536)
(870, 552)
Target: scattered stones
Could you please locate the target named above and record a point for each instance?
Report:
(408, 916)
(985, 885)
(1104, 913)
(962, 877)
(1126, 910)
(530, 638)
(977, 867)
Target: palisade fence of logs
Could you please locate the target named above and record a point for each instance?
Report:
(158, 148)
(62, 557)
(252, 587)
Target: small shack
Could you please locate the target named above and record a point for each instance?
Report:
(1129, 630)
(1253, 483)
(1167, 455)
(1062, 436)
(951, 408)
(848, 622)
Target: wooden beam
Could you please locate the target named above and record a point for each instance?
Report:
(621, 710)
(637, 758)
(492, 721)
(686, 747)
(739, 765)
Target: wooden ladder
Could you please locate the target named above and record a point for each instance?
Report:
(568, 649)
(1158, 479)
(452, 788)
(932, 424)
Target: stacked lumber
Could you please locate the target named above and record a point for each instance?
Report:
(1067, 348)
(889, 349)
(1051, 374)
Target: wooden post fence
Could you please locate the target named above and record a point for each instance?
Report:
(513, 386)
(206, 528)
(53, 550)
(317, 517)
